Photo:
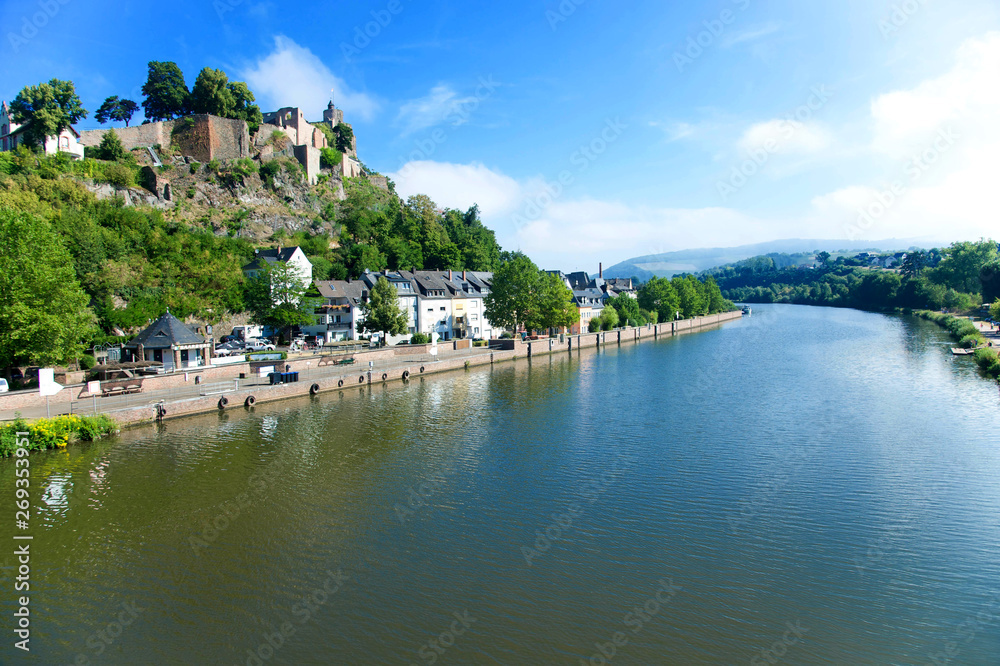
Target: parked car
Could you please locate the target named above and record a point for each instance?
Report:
(3, 385)
(260, 345)
(228, 338)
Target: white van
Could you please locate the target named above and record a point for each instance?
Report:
(3, 385)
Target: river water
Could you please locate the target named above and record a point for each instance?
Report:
(805, 486)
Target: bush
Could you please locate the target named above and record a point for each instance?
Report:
(243, 167)
(420, 339)
(111, 148)
(506, 336)
(195, 166)
(479, 343)
(989, 361)
(213, 166)
(87, 362)
(330, 157)
(268, 170)
(55, 433)
(595, 325)
(970, 341)
(118, 175)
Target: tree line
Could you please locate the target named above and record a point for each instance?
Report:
(961, 276)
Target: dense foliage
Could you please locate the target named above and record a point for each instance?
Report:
(525, 297)
(681, 297)
(381, 313)
(46, 110)
(54, 433)
(950, 278)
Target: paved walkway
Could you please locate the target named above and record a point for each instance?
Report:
(108, 405)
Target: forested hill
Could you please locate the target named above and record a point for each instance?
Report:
(960, 276)
(133, 262)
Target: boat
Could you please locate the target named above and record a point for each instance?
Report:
(747, 311)
(962, 352)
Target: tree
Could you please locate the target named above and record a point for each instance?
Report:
(627, 308)
(513, 300)
(118, 110)
(659, 296)
(960, 268)
(165, 91)
(824, 257)
(244, 107)
(381, 313)
(211, 94)
(989, 277)
(44, 313)
(914, 263)
(609, 318)
(276, 297)
(345, 137)
(46, 110)
(556, 308)
(111, 148)
(995, 310)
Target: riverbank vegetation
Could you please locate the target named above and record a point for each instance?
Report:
(54, 433)
(969, 337)
(959, 277)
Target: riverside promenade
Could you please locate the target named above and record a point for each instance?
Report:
(201, 390)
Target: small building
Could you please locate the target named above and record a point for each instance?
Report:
(12, 136)
(294, 257)
(170, 342)
(340, 314)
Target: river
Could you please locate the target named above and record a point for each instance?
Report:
(804, 486)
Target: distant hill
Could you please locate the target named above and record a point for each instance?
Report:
(669, 264)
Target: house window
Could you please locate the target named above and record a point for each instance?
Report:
(64, 142)
(443, 309)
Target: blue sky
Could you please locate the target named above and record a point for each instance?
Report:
(594, 131)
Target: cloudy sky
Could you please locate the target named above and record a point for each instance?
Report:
(591, 131)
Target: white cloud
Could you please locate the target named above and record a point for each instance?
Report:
(573, 233)
(441, 104)
(750, 35)
(788, 137)
(292, 75)
(940, 141)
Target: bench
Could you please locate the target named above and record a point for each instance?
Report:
(122, 387)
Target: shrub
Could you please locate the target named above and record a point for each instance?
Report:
(87, 362)
(420, 339)
(195, 166)
(479, 343)
(213, 166)
(268, 170)
(118, 175)
(506, 336)
(970, 341)
(595, 325)
(244, 167)
(55, 433)
(989, 361)
(330, 157)
(111, 148)
(191, 191)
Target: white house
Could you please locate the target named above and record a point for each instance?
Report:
(12, 136)
(339, 316)
(299, 266)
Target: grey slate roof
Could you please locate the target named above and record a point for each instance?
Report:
(353, 291)
(271, 256)
(165, 332)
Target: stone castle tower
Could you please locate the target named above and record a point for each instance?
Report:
(334, 116)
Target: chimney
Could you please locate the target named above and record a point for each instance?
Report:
(449, 274)
(600, 270)
(463, 276)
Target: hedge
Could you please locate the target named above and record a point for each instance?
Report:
(55, 433)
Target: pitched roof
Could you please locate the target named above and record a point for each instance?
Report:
(165, 332)
(352, 291)
(271, 256)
